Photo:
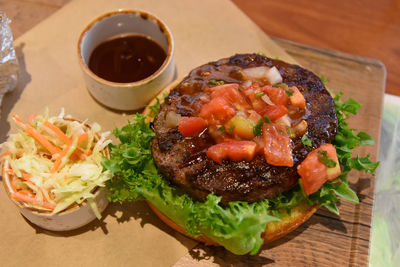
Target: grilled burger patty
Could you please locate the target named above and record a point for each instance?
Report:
(183, 160)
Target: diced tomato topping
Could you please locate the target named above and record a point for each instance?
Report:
(191, 126)
(277, 145)
(258, 104)
(314, 173)
(236, 151)
(260, 144)
(274, 112)
(228, 139)
(232, 94)
(277, 95)
(217, 111)
(297, 99)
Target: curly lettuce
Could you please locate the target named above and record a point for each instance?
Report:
(237, 227)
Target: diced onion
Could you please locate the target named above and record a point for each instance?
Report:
(172, 119)
(256, 72)
(247, 84)
(300, 128)
(273, 75)
(241, 113)
(284, 121)
(266, 99)
(204, 98)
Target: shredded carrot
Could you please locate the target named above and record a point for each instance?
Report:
(9, 171)
(77, 155)
(87, 151)
(25, 192)
(20, 196)
(12, 183)
(45, 194)
(36, 135)
(31, 118)
(26, 176)
(58, 131)
(83, 137)
(5, 154)
(58, 161)
(41, 139)
(17, 118)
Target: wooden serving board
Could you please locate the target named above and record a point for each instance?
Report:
(325, 239)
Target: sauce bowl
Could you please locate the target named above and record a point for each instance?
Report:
(133, 95)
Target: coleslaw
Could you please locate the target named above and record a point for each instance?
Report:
(54, 163)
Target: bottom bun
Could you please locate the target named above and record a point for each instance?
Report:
(273, 231)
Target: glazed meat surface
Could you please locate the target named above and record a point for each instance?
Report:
(183, 160)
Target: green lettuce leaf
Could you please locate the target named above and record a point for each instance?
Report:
(239, 225)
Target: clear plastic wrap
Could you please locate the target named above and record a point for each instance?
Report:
(8, 60)
(385, 240)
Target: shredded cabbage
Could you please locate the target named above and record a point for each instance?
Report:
(79, 174)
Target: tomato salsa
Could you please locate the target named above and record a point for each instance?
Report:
(259, 117)
(249, 118)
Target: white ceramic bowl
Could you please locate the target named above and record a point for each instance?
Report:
(126, 96)
(69, 219)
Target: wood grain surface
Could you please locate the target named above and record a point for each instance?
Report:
(363, 27)
(325, 239)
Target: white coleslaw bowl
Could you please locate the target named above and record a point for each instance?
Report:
(71, 218)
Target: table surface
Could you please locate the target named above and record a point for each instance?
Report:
(26, 14)
(367, 28)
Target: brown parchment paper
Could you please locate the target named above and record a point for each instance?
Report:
(129, 234)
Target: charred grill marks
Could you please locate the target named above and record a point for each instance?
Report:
(183, 160)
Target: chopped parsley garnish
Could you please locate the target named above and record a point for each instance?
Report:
(230, 130)
(323, 79)
(261, 54)
(267, 119)
(289, 92)
(323, 157)
(277, 85)
(306, 141)
(258, 128)
(222, 129)
(213, 81)
(282, 131)
(260, 94)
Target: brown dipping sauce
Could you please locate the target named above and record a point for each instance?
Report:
(126, 59)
